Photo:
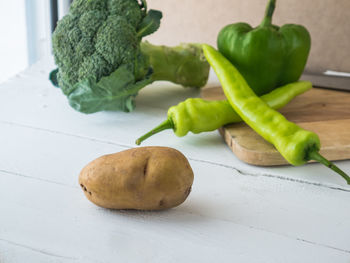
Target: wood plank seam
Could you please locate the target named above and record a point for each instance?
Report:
(44, 252)
(190, 158)
(37, 178)
(274, 176)
(259, 229)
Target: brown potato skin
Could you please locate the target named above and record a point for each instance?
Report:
(145, 178)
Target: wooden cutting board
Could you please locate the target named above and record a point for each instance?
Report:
(325, 112)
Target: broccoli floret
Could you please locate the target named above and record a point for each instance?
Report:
(100, 40)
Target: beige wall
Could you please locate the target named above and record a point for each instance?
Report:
(200, 20)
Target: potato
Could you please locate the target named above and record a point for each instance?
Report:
(145, 178)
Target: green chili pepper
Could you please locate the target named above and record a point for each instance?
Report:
(295, 144)
(198, 115)
(267, 56)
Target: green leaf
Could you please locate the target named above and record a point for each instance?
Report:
(150, 23)
(112, 93)
(53, 77)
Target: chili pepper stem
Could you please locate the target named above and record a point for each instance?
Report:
(316, 156)
(267, 21)
(168, 124)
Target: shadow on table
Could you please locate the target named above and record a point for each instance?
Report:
(203, 140)
(187, 213)
(164, 95)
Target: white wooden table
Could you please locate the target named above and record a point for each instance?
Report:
(235, 213)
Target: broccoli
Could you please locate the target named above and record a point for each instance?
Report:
(103, 63)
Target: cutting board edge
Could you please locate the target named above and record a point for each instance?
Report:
(335, 151)
(275, 158)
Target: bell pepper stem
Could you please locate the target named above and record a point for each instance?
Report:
(316, 156)
(168, 124)
(270, 8)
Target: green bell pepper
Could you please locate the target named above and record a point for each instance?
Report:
(267, 56)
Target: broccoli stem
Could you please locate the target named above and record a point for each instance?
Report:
(184, 64)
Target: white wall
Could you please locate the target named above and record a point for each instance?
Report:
(25, 35)
(38, 29)
(200, 21)
(13, 40)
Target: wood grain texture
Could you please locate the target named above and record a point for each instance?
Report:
(43, 104)
(325, 112)
(227, 211)
(235, 213)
